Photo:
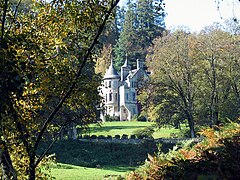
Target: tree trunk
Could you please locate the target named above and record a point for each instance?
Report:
(8, 172)
(74, 131)
(191, 125)
(32, 168)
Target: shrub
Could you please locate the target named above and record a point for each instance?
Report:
(117, 136)
(101, 137)
(111, 118)
(216, 157)
(141, 119)
(147, 132)
(86, 136)
(109, 137)
(124, 136)
(93, 137)
(135, 117)
(133, 136)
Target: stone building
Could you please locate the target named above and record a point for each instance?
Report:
(120, 91)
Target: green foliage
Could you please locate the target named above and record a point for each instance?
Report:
(109, 118)
(46, 55)
(216, 156)
(139, 118)
(147, 132)
(103, 60)
(143, 21)
(193, 77)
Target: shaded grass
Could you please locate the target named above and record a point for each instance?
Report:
(88, 160)
(95, 154)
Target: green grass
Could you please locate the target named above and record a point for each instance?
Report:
(87, 160)
(127, 127)
(70, 172)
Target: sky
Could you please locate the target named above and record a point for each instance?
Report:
(196, 14)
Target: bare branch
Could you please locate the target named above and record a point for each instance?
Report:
(4, 18)
(49, 147)
(15, 14)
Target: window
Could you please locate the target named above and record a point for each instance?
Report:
(116, 96)
(106, 98)
(105, 84)
(134, 84)
(110, 97)
(110, 84)
(134, 96)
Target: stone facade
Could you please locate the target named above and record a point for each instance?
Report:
(119, 91)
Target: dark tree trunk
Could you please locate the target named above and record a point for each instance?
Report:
(32, 168)
(191, 125)
(8, 172)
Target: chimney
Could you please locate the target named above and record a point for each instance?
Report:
(139, 64)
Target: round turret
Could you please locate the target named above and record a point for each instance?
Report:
(110, 90)
(111, 73)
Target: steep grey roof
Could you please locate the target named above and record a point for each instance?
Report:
(132, 73)
(111, 72)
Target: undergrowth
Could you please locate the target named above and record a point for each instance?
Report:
(216, 157)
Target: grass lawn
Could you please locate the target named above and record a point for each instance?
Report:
(94, 161)
(127, 127)
(70, 172)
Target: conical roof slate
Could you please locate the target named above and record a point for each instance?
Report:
(111, 72)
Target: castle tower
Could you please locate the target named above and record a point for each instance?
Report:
(110, 90)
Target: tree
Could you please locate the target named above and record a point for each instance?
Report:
(46, 68)
(198, 73)
(143, 22)
(217, 50)
(104, 60)
(150, 23)
(126, 43)
(172, 64)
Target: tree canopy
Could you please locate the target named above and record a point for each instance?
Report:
(193, 77)
(47, 75)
